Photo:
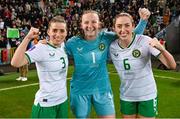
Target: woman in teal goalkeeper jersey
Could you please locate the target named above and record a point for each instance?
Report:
(90, 83)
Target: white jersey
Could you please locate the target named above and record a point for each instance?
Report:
(52, 65)
(133, 65)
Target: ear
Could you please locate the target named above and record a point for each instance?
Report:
(113, 29)
(80, 24)
(48, 32)
(133, 25)
(100, 25)
(66, 32)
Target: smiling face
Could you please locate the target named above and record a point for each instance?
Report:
(57, 31)
(90, 25)
(124, 27)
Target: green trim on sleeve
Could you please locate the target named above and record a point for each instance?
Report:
(157, 56)
(28, 58)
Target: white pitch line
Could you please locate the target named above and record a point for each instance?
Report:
(22, 86)
(166, 77)
(33, 84)
(159, 76)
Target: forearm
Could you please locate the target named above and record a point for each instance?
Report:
(167, 59)
(140, 27)
(19, 58)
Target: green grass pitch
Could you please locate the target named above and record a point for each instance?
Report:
(16, 97)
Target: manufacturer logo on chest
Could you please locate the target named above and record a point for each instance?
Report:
(116, 54)
(79, 49)
(51, 54)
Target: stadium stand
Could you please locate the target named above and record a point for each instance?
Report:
(22, 14)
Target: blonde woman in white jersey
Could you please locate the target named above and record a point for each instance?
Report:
(52, 64)
(131, 55)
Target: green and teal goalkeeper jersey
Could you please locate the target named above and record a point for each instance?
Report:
(90, 70)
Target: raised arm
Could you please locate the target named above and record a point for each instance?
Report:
(165, 57)
(144, 15)
(19, 58)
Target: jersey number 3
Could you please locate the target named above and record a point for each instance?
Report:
(63, 62)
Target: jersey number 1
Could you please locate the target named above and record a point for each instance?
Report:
(93, 57)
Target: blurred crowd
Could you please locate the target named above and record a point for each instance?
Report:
(22, 14)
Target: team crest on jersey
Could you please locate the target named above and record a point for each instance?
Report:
(136, 53)
(101, 46)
